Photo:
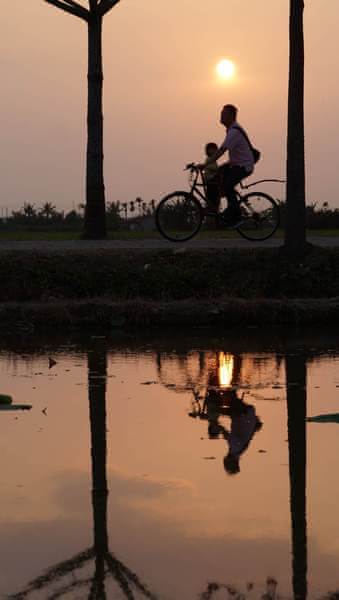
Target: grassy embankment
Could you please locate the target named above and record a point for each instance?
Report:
(158, 288)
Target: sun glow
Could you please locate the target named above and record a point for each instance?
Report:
(226, 365)
(225, 69)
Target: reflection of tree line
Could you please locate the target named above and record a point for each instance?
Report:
(105, 563)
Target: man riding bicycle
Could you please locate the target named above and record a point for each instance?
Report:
(239, 166)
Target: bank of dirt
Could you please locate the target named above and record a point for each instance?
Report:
(157, 288)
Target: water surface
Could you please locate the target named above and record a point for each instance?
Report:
(170, 468)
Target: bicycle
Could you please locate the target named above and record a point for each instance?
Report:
(180, 215)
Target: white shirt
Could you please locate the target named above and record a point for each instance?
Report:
(242, 430)
(239, 151)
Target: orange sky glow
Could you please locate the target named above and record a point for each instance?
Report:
(162, 96)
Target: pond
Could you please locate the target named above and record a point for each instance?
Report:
(175, 468)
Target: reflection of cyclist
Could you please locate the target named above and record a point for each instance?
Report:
(244, 423)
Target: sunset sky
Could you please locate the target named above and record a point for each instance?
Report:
(162, 96)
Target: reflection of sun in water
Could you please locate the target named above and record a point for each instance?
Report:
(225, 370)
(225, 69)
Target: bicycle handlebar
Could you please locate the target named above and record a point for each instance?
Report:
(191, 167)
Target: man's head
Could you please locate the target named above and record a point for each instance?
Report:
(228, 115)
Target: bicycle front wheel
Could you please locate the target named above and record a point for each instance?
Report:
(261, 216)
(179, 216)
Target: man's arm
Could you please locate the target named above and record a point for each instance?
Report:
(216, 155)
(213, 158)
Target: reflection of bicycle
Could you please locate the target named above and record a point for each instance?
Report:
(180, 215)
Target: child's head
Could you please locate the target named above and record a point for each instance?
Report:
(211, 148)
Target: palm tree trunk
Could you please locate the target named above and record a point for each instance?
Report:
(295, 230)
(95, 218)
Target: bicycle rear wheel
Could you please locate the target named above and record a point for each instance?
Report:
(261, 216)
(179, 216)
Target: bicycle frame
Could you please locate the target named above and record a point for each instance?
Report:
(196, 184)
(246, 187)
(180, 215)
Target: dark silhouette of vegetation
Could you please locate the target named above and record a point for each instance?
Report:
(318, 216)
(295, 231)
(48, 218)
(95, 220)
(126, 215)
(266, 280)
(232, 592)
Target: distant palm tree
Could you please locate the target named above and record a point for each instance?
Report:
(295, 229)
(47, 210)
(138, 201)
(95, 218)
(29, 210)
(124, 206)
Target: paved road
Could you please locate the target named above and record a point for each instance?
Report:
(152, 244)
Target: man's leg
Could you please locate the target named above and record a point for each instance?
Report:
(233, 176)
(212, 189)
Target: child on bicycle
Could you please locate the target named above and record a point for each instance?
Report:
(211, 177)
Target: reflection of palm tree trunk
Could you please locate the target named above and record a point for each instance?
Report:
(97, 371)
(105, 562)
(296, 408)
(125, 578)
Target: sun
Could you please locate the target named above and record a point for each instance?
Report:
(225, 68)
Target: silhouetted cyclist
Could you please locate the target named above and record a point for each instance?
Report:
(239, 166)
(244, 424)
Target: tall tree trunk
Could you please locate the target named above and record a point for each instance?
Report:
(295, 230)
(95, 218)
(296, 410)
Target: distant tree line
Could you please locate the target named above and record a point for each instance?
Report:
(119, 215)
(318, 216)
(132, 214)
